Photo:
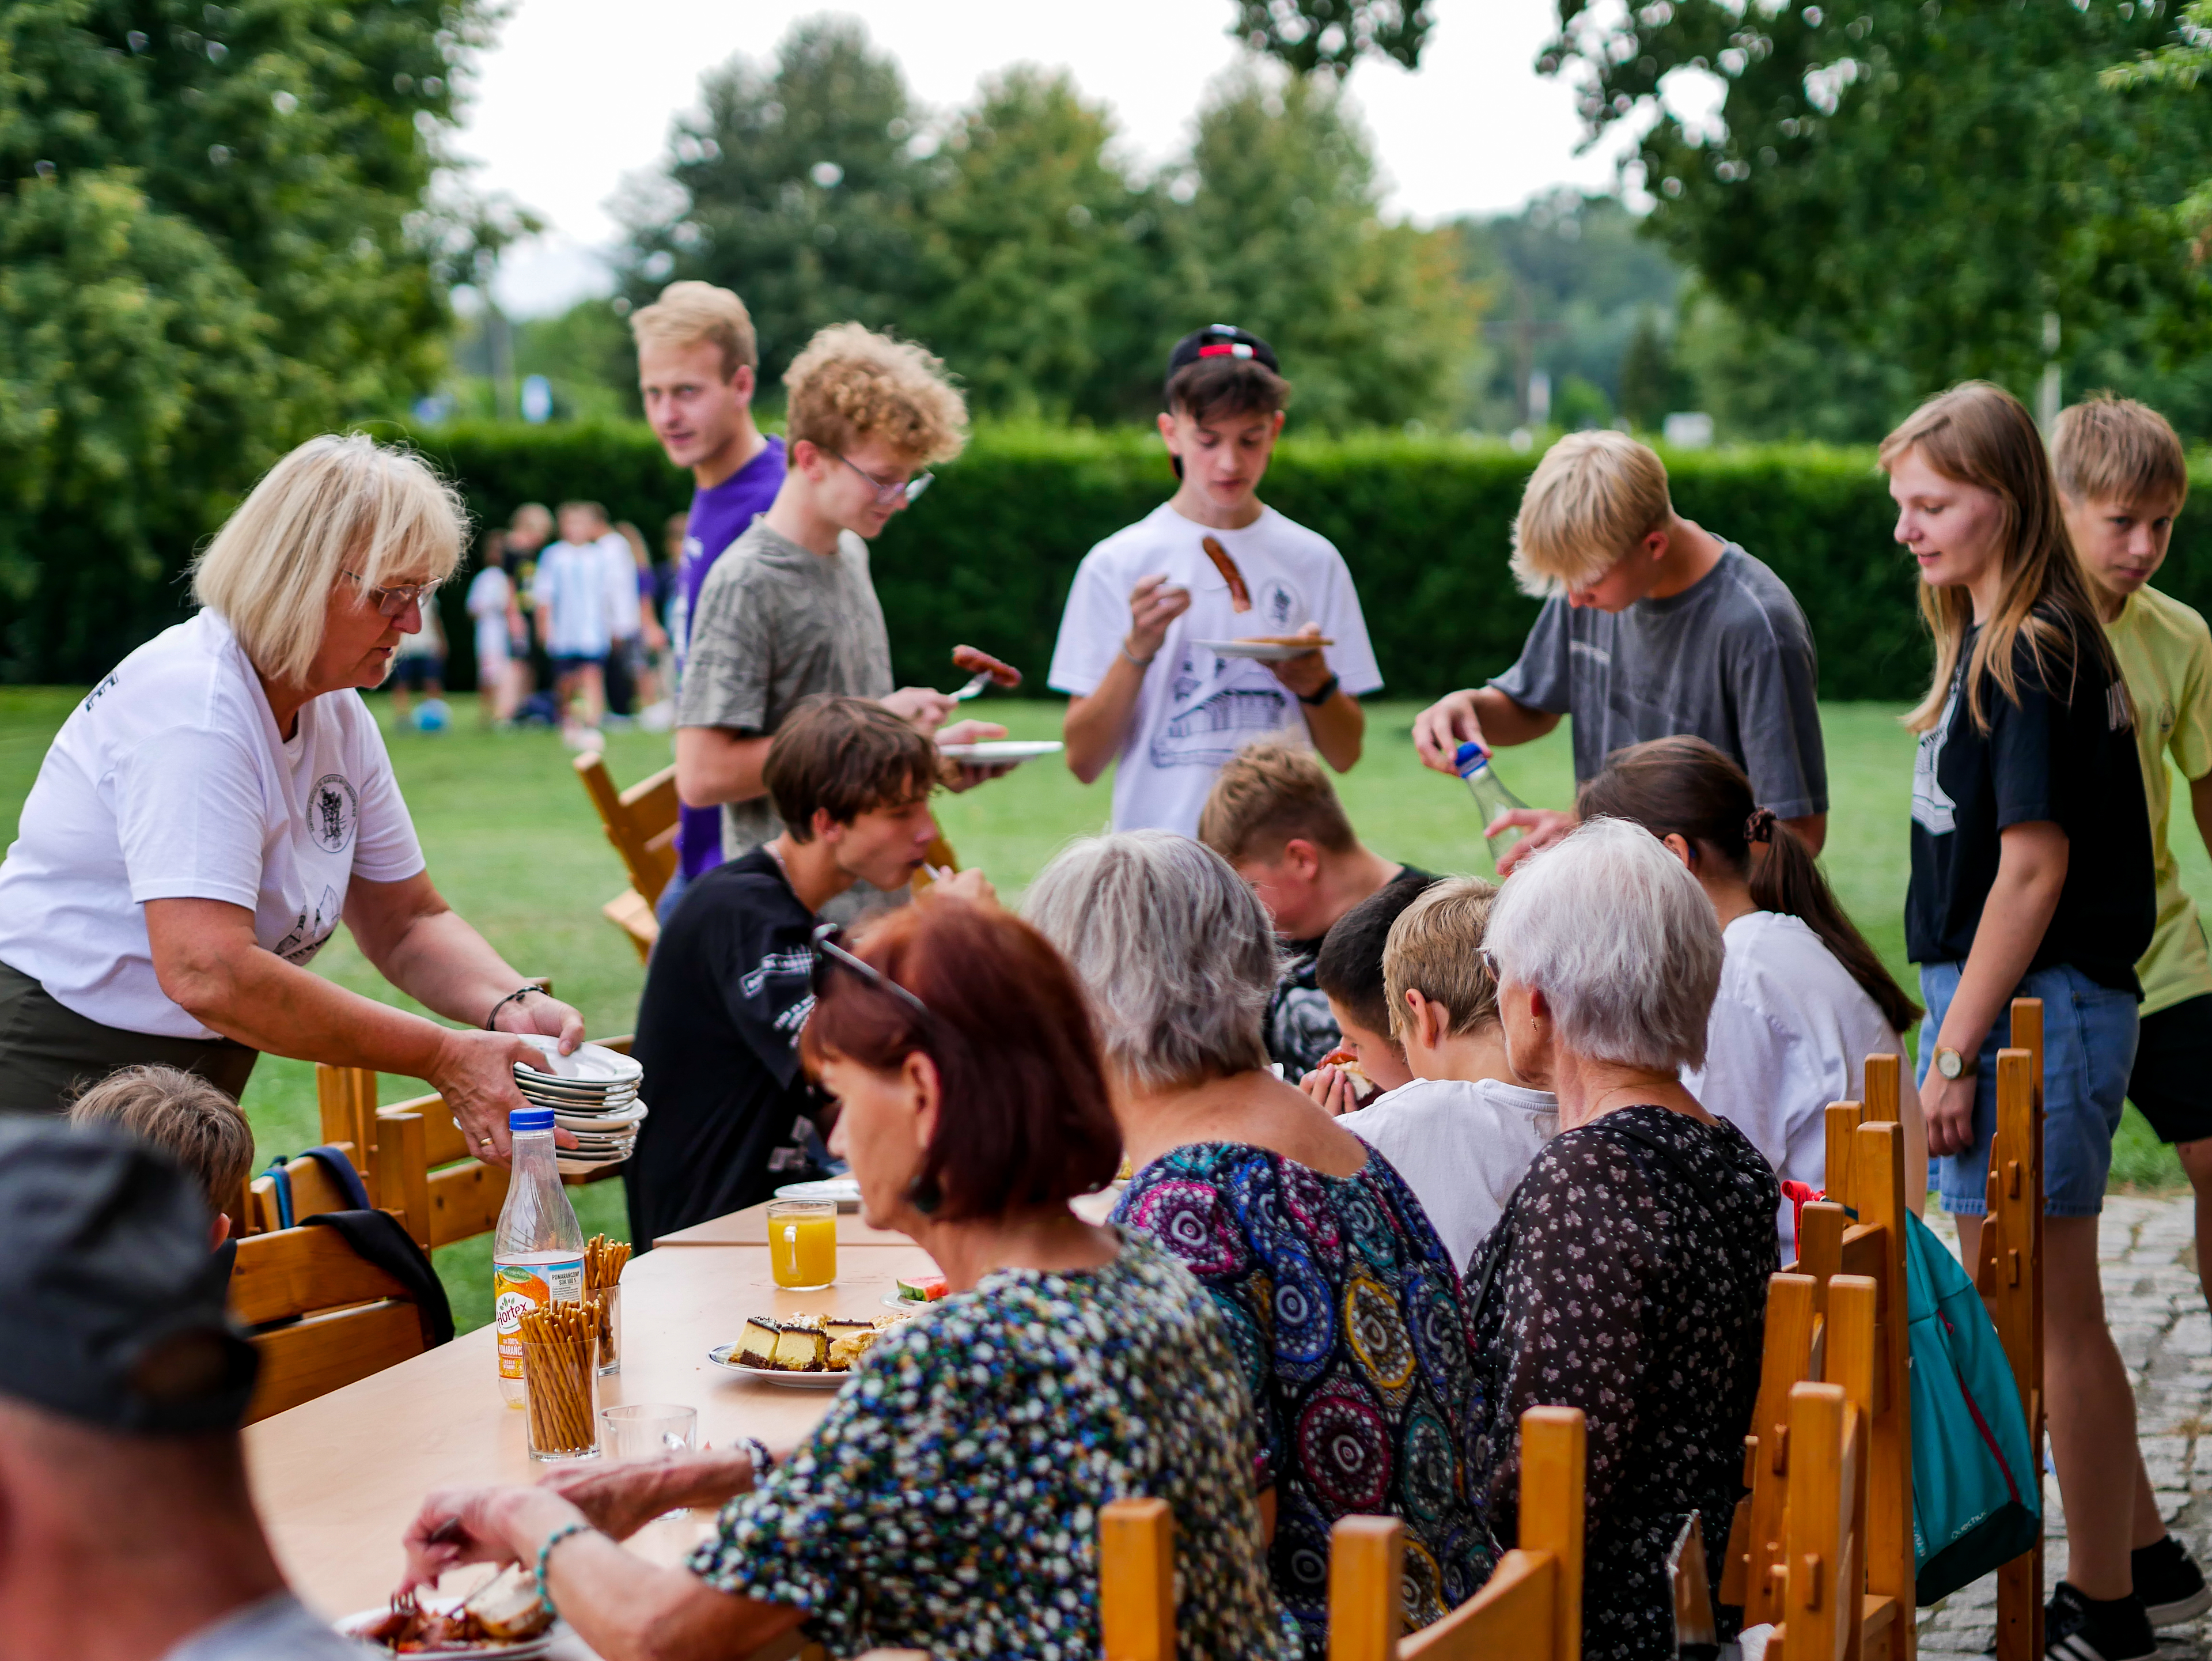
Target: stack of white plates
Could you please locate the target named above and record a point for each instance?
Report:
(593, 1095)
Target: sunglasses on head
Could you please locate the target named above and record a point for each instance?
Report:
(828, 952)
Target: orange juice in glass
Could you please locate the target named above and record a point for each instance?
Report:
(802, 1243)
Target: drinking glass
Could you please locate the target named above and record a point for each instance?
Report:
(561, 1383)
(802, 1243)
(645, 1430)
(608, 1302)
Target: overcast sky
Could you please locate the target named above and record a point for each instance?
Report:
(578, 92)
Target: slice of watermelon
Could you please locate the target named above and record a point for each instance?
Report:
(924, 1289)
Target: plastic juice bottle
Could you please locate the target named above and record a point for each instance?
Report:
(802, 1249)
(537, 1250)
(1490, 796)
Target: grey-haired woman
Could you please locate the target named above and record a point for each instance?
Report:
(1628, 1275)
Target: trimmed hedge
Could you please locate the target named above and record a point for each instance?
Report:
(1424, 524)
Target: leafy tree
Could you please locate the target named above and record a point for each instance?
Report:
(799, 189)
(210, 244)
(1651, 384)
(1932, 176)
(1371, 319)
(1332, 35)
(1048, 267)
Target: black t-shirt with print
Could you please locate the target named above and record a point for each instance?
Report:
(2066, 753)
(729, 988)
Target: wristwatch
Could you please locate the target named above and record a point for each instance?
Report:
(1952, 1065)
(1320, 693)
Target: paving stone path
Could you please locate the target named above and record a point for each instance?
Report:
(2164, 1331)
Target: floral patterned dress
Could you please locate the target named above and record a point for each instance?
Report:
(1628, 1278)
(1347, 1317)
(950, 1500)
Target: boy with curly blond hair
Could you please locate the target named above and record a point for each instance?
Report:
(789, 611)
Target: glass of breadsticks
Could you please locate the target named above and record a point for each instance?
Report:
(603, 1267)
(560, 1372)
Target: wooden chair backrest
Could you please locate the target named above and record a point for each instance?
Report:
(640, 822)
(1861, 1263)
(313, 1191)
(1531, 1609)
(2008, 1274)
(353, 1319)
(1823, 1609)
(1136, 1580)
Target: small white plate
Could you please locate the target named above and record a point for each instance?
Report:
(720, 1356)
(591, 1063)
(910, 1306)
(1263, 651)
(998, 750)
(600, 1124)
(845, 1191)
(351, 1625)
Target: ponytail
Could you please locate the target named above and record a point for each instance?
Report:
(1683, 787)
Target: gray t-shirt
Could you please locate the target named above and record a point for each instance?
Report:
(277, 1628)
(1729, 660)
(775, 623)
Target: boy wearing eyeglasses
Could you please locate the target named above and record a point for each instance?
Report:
(789, 611)
(731, 981)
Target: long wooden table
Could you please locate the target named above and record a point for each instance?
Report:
(749, 1227)
(338, 1479)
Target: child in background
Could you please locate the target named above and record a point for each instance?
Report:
(418, 665)
(2122, 479)
(187, 1118)
(2032, 877)
(1275, 815)
(1804, 998)
(490, 599)
(1682, 632)
(1348, 972)
(1464, 1131)
(570, 595)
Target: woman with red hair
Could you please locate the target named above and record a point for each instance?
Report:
(955, 1485)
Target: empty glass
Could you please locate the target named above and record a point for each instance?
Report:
(645, 1430)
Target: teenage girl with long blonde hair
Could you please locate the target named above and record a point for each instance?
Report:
(2032, 877)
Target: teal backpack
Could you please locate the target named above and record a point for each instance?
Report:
(1976, 1498)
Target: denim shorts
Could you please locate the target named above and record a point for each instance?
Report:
(2088, 1050)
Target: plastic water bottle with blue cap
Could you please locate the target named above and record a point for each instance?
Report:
(537, 1250)
(1492, 798)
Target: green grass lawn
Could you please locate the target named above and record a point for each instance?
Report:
(513, 843)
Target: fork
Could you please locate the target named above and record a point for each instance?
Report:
(976, 682)
(403, 1604)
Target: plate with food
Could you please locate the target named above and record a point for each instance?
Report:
(992, 751)
(502, 1618)
(916, 1292)
(803, 1352)
(1266, 648)
(844, 1192)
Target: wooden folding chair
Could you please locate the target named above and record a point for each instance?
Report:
(2008, 1274)
(640, 822)
(1822, 1608)
(1532, 1608)
(1136, 1580)
(352, 1318)
(1854, 1267)
(313, 1190)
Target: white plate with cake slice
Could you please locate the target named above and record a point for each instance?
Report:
(725, 1357)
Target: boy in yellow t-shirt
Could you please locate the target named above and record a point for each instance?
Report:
(2122, 479)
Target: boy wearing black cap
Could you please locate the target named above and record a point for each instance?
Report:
(1145, 644)
(131, 1531)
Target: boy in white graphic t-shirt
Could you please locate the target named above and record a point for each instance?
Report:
(1148, 642)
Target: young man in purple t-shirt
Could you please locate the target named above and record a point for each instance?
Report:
(696, 360)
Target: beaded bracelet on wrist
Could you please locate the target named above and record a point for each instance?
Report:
(545, 1551)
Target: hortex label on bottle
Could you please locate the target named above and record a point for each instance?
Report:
(519, 1287)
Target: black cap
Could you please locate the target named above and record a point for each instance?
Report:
(111, 1307)
(1220, 340)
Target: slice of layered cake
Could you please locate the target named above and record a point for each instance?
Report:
(757, 1348)
(802, 1346)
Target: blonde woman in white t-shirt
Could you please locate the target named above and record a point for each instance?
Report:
(208, 816)
(1804, 998)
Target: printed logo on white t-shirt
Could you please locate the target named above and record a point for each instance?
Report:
(333, 809)
(1277, 603)
(310, 929)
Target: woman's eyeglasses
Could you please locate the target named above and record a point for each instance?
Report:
(828, 952)
(905, 490)
(390, 602)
